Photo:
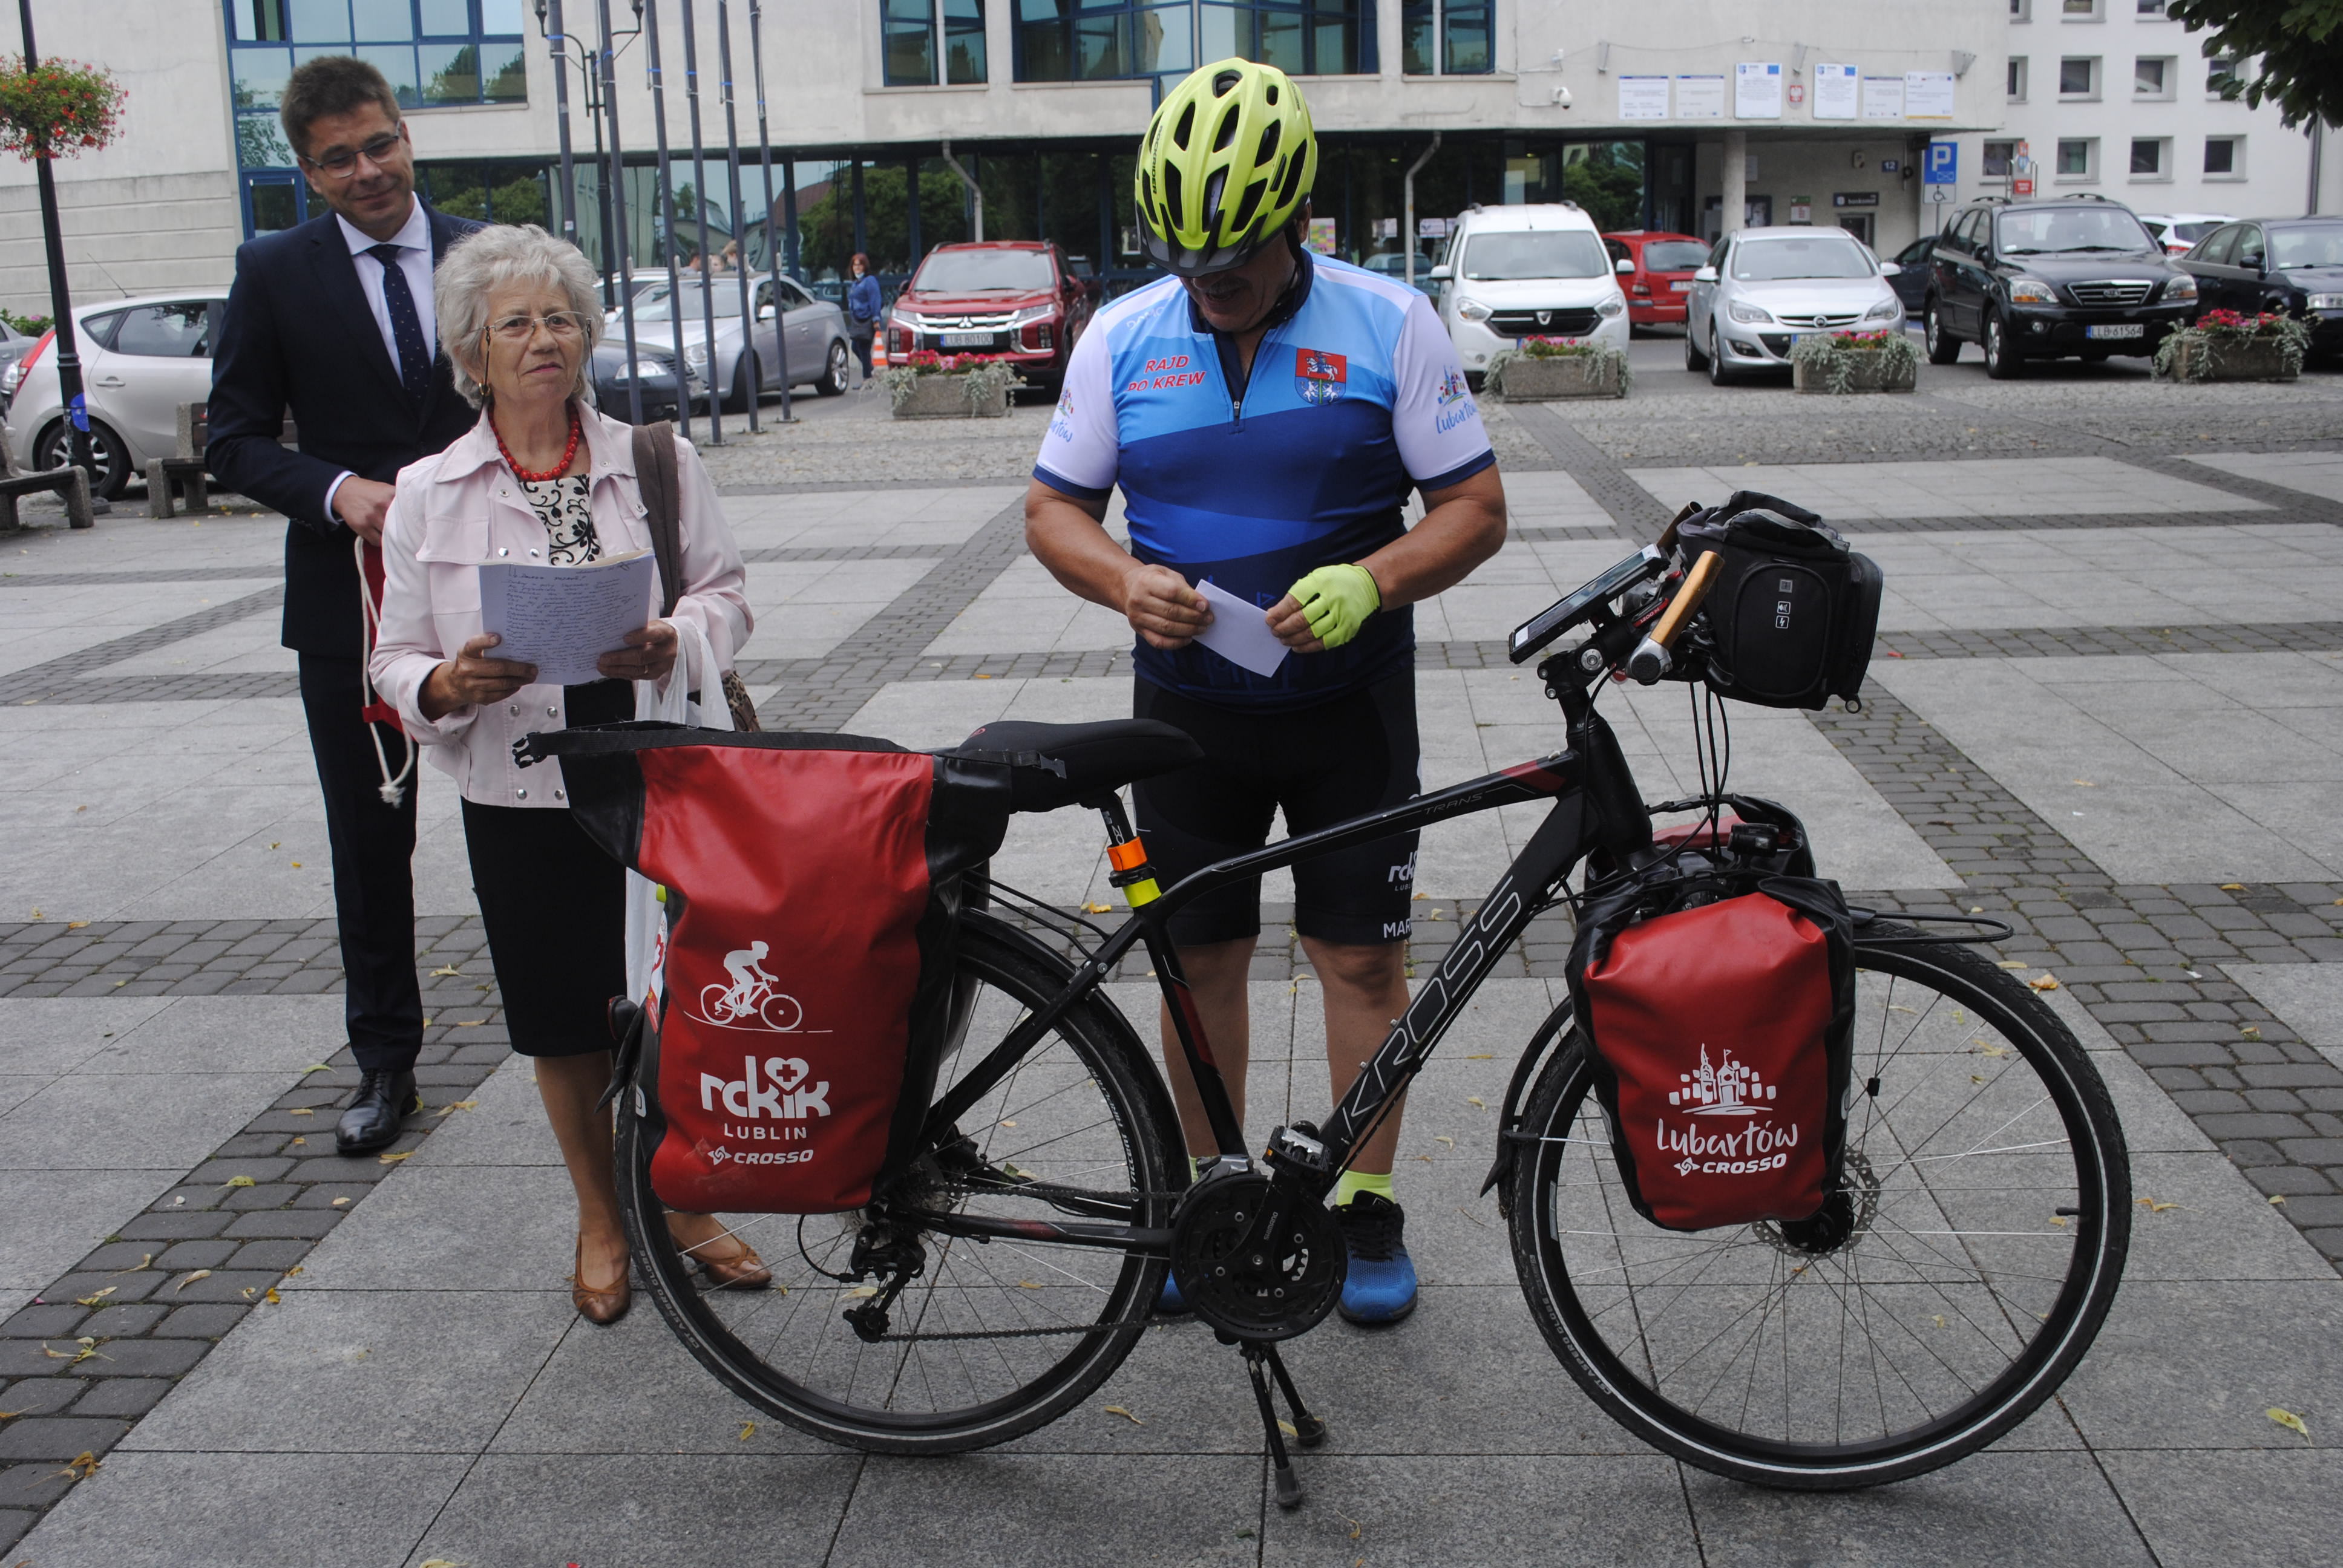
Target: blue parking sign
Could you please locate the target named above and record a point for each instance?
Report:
(1942, 166)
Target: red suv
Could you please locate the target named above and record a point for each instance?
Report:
(1016, 299)
(1664, 264)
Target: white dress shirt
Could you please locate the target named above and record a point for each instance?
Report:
(414, 240)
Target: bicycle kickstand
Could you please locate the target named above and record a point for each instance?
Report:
(1309, 1431)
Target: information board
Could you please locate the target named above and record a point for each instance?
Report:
(1927, 94)
(1836, 92)
(1642, 97)
(1700, 98)
(1757, 90)
(1882, 97)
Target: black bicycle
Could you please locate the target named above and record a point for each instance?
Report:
(1959, 1274)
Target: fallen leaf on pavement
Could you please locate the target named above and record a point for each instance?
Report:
(2011, 964)
(341, 1202)
(295, 1269)
(83, 1465)
(2233, 887)
(458, 1105)
(395, 1159)
(75, 924)
(2153, 1206)
(440, 1562)
(1097, 909)
(302, 1110)
(2277, 1200)
(747, 1431)
(1476, 1099)
(863, 1291)
(447, 970)
(316, 1067)
(191, 1279)
(2042, 983)
(2059, 1221)
(1118, 1410)
(143, 1258)
(1289, 1429)
(1482, 1056)
(272, 1298)
(2289, 1420)
(1027, 1286)
(95, 1300)
(1443, 1138)
(239, 1182)
(248, 1292)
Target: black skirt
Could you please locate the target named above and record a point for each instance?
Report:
(554, 907)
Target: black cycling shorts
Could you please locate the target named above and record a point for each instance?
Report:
(1321, 765)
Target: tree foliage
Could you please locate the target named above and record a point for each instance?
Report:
(2295, 47)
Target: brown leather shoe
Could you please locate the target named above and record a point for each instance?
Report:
(599, 1303)
(735, 1271)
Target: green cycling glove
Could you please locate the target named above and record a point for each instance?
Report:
(1337, 600)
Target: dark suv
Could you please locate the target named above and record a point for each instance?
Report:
(2041, 280)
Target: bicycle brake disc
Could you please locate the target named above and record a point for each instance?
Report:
(1254, 1261)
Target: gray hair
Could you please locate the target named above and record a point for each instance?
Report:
(486, 260)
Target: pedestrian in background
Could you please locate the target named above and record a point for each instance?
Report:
(331, 322)
(543, 477)
(864, 306)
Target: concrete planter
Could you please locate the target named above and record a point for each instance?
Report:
(1868, 371)
(1524, 379)
(2233, 360)
(946, 398)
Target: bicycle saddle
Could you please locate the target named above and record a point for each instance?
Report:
(1055, 765)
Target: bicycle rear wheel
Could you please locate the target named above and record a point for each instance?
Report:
(1989, 1213)
(990, 1339)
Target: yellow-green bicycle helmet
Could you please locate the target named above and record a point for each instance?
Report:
(1227, 159)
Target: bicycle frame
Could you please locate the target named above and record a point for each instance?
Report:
(1595, 804)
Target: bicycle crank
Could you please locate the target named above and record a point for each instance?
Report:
(1255, 1260)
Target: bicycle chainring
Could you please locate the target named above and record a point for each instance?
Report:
(1252, 1278)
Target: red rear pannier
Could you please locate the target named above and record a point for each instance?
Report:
(1722, 1047)
(813, 894)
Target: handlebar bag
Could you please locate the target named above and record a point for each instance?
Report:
(1722, 1035)
(1791, 618)
(813, 893)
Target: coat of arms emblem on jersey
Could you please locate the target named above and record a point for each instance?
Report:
(1319, 376)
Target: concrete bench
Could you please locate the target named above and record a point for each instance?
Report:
(186, 470)
(70, 483)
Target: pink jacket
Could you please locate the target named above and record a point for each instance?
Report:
(463, 507)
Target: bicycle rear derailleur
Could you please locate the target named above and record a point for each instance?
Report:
(1254, 1257)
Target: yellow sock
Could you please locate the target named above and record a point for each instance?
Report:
(1353, 1182)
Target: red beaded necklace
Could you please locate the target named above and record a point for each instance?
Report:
(555, 472)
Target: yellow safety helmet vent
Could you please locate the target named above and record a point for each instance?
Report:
(1227, 160)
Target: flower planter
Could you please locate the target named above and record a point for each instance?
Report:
(1527, 378)
(1864, 370)
(2196, 358)
(946, 397)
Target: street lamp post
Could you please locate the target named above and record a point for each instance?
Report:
(772, 247)
(740, 222)
(69, 388)
(700, 201)
(615, 199)
(667, 240)
(589, 76)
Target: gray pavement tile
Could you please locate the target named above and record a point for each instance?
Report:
(2195, 1365)
(643, 1509)
(454, 1228)
(2217, 1226)
(98, 1122)
(223, 1510)
(1042, 1512)
(226, 1034)
(44, 1036)
(505, 1127)
(52, 1220)
(364, 1371)
(1989, 1508)
(2309, 996)
(2274, 1506)
(1578, 1511)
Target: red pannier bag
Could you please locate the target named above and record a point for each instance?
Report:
(813, 894)
(1722, 1026)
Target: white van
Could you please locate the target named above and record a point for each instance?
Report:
(1517, 272)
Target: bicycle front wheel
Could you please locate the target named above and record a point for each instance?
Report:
(989, 1340)
(1987, 1213)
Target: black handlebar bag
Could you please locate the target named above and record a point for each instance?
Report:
(1721, 1012)
(813, 894)
(1791, 619)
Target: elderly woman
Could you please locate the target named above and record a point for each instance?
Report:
(544, 477)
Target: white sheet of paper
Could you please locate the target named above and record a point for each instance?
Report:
(1240, 632)
(562, 618)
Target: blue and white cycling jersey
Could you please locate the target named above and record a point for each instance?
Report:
(1355, 395)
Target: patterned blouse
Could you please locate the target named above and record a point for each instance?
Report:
(562, 505)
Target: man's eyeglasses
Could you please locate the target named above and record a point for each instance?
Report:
(564, 324)
(343, 164)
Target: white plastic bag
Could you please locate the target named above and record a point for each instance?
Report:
(695, 670)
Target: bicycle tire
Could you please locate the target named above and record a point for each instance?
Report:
(1943, 1124)
(807, 1368)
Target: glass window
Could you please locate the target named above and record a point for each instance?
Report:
(446, 18)
(908, 43)
(451, 73)
(1997, 156)
(964, 41)
(2249, 247)
(2075, 75)
(396, 63)
(1465, 30)
(383, 21)
(2059, 231)
(1300, 37)
(1111, 40)
(2074, 156)
(2312, 245)
(2021, 10)
(1766, 260)
(2147, 156)
(274, 207)
(319, 21)
(2079, 8)
(985, 272)
(2151, 7)
(1565, 253)
(176, 331)
(2218, 71)
(2148, 78)
(2221, 155)
(256, 21)
(2017, 78)
(1416, 57)
(1674, 255)
(2217, 248)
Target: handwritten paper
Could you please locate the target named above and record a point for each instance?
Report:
(1240, 632)
(563, 619)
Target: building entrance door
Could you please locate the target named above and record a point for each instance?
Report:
(273, 201)
(1857, 223)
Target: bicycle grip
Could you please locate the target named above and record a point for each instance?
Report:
(1650, 658)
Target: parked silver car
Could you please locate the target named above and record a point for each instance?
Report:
(1765, 286)
(817, 350)
(140, 359)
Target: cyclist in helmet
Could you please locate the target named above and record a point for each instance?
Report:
(1266, 412)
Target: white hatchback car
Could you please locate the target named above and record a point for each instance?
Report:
(1517, 272)
(140, 360)
(1765, 286)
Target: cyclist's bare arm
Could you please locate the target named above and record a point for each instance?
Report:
(1065, 533)
(1464, 524)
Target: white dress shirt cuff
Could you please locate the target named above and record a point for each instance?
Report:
(331, 491)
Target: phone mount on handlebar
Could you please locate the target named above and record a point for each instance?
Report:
(1589, 603)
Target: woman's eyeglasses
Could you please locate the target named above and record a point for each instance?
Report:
(564, 324)
(376, 151)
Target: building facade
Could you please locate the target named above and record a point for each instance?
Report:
(897, 125)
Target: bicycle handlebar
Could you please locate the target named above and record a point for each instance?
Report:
(1651, 657)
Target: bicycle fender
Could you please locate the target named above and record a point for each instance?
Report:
(1557, 1024)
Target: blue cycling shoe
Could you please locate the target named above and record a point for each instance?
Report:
(1380, 1285)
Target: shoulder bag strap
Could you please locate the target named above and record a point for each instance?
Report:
(654, 475)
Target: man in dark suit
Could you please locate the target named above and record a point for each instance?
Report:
(332, 321)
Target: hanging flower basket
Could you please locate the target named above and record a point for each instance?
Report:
(2225, 346)
(1843, 362)
(57, 108)
(1545, 368)
(931, 385)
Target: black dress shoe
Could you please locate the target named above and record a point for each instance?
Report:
(384, 1099)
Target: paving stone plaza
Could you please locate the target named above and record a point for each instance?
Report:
(2106, 704)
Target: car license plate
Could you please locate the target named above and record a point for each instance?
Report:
(2115, 329)
(1681, 286)
(968, 339)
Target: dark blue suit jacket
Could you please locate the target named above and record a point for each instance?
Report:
(298, 338)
